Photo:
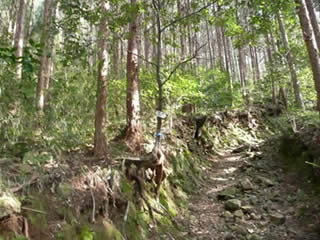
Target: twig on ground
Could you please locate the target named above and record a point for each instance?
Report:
(30, 182)
(93, 206)
(126, 213)
(26, 228)
(34, 210)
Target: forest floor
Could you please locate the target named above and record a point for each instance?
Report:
(246, 192)
(249, 195)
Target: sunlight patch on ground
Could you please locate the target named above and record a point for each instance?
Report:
(236, 158)
(220, 179)
(230, 170)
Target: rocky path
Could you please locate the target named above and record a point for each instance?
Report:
(248, 196)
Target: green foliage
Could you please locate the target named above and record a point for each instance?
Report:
(86, 234)
(216, 90)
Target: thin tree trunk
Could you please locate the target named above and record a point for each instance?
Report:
(312, 50)
(30, 22)
(46, 57)
(91, 34)
(12, 21)
(209, 46)
(257, 64)
(292, 67)
(133, 134)
(220, 50)
(233, 63)
(19, 37)
(253, 67)
(146, 46)
(115, 57)
(226, 55)
(269, 54)
(100, 142)
(314, 23)
(182, 36)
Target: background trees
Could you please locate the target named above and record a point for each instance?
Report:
(207, 53)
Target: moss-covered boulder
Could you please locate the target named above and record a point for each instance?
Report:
(9, 204)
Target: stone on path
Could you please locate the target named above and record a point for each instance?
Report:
(277, 218)
(266, 181)
(246, 184)
(233, 205)
(227, 193)
(238, 213)
(228, 214)
(247, 209)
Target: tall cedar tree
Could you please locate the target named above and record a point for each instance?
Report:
(312, 50)
(19, 36)
(290, 61)
(133, 134)
(47, 49)
(100, 141)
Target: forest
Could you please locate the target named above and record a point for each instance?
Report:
(159, 119)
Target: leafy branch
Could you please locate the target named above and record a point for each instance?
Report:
(182, 62)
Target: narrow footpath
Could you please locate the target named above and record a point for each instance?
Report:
(247, 195)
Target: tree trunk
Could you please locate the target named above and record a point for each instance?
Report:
(30, 22)
(312, 50)
(209, 46)
(314, 23)
(47, 39)
(12, 21)
(133, 134)
(100, 142)
(292, 67)
(270, 60)
(256, 56)
(146, 45)
(19, 37)
(115, 57)
(220, 49)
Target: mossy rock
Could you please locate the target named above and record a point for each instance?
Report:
(64, 190)
(110, 232)
(9, 204)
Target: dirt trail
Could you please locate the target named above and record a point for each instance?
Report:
(248, 196)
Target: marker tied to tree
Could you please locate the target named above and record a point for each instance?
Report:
(161, 115)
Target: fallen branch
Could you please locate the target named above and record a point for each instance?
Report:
(93, 206)
(34, 210)
(30, 182)
(26, 228)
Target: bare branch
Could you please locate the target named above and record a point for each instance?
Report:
(183, 62)
(144, 59)
(187, 16)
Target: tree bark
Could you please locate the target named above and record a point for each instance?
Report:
(209, 46)
(256, 56)
(47, 39)
(314, 23)
(100, 142)
(312, 50)
(292, 67)
(220, 49)
(115, 57)
(30, 22)
(270, 60)
(133, 134)
(19, 37)
(146, 46)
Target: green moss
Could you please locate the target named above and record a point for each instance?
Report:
(126, 188)
(294, 155)
(168, 203)
(109, 231)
